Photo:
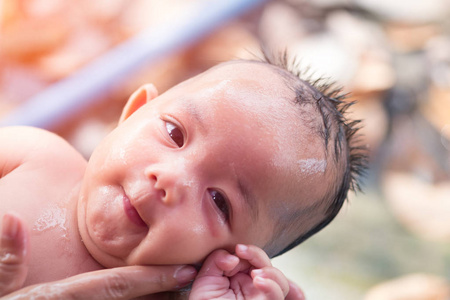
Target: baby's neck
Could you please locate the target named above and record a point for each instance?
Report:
(56, 231)
(76, 241)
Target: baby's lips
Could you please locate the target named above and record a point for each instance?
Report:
(132, 213)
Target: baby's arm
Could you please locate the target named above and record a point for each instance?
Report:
(248, 274)
(31, 159)
(20, 145)
(11, 149)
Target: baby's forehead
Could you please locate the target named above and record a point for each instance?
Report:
(248, 83)
(258, 89)
(256, 70)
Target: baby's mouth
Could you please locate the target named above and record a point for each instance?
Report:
(132, 213)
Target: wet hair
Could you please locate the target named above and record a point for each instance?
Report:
(339, 134)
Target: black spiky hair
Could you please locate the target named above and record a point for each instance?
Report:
(336, 128)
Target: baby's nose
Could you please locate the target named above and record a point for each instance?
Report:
(169, 186)
(160, 192)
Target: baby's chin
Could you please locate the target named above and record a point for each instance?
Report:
(135, 258)
(112, 242)
(139, 255)
(103, 252)
(104, 259)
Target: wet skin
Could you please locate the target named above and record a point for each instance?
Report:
(208, 164)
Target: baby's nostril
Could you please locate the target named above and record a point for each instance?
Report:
(157, 185)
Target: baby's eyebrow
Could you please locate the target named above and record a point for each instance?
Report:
(249, 200)
(193, 111)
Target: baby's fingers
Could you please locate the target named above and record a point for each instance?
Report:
(270, 275)
(295, 292)
(269, 288)
(254, 255)
(217, 263)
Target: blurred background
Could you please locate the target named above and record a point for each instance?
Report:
(390, 242)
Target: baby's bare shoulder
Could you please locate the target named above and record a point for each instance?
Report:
(25, 145)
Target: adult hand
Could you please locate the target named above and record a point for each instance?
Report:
(13, 254)
(118, 283)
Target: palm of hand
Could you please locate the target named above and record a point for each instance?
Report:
(240, 286)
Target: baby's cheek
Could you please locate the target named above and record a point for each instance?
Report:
(192, 249)
(181, 245)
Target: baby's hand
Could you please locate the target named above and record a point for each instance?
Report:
(248, 274)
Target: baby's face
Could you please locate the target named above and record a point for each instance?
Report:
(205, 165)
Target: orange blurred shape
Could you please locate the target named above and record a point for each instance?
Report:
(29, 31)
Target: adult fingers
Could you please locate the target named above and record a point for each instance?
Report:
(112, 284)
(13, 254)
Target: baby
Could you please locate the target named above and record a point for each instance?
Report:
(244, 153)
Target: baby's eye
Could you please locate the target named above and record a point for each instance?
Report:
(175, 134)
(222, 204)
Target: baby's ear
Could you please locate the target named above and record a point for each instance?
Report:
(141, 96)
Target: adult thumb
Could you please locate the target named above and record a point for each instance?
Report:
(13, 254)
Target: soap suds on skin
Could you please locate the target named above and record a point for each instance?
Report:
(312, 166)
(52, 217)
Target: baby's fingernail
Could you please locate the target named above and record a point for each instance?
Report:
(232, 259)
(257, 272)
(10, 226)
(185, 274)
(242, 248)
(260, 280)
